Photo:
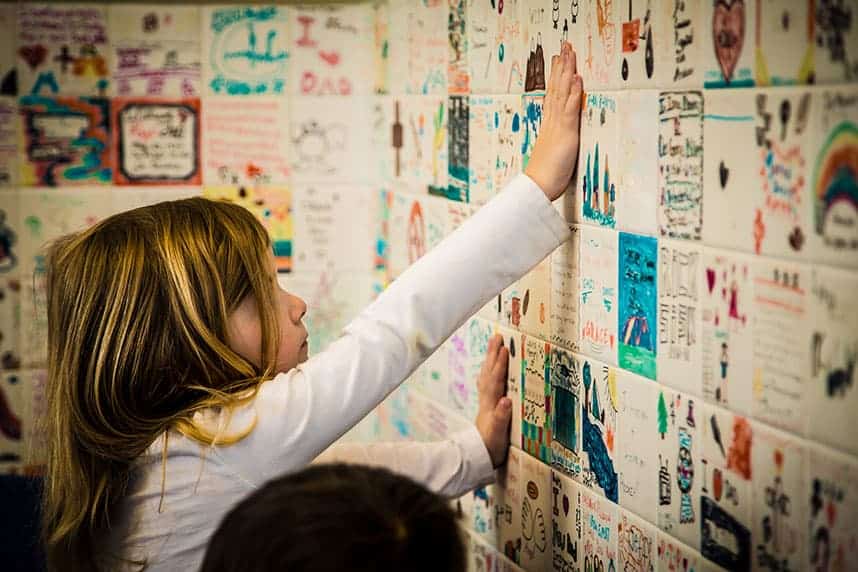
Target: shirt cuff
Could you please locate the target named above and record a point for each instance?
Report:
(535, 198)
(479, 470)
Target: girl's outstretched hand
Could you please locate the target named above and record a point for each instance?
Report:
(555, 152)
(495, 410)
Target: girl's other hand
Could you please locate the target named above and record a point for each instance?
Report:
(555, 152)
(495, 409)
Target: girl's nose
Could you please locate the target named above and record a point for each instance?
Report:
(298, 308)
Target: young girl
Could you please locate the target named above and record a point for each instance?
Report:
(167, 330)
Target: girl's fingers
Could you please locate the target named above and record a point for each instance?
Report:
(573, 102)
(547, 103)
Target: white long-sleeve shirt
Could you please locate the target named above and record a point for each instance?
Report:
(301, 413)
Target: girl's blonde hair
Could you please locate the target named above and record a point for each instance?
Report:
(137, 343)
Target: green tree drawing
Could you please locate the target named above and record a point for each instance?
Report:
(662, 415)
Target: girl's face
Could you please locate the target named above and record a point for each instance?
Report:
(245, 331)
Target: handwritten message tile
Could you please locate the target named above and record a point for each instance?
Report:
(245, 49)
(832, 490)
(680, 164)
(831, 395)
(536, 399)
(598, 293)
(674, 556)
(330, 142)
(535, 514)
(600, 538)
(462, 395)
(780, 503)
(566, 382)
(535, 288)
(686, 32)
(272, 207)
(638, 300)
(567, 523)
(599, 167)
(636, 543)
(638, 203)
(155, 50)
(680, 314)
(565, 279)
(727, 343)
(156, 141)
(599, 408)
(677, 430)
(12, 446)
(833, 139)
(495, 41)
(332, 50)
(637, 451)
(245, 142)
(785, 43)
(426, 47)
(66, 141)
(728, 57)
(645, 39)
(9, 124)
(8, 73)
(320, 213)
(782, 343)
(725, 502)
(62, 49)
(729, 176)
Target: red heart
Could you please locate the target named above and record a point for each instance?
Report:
(710, 279)
(728, 34)
(33, 55)
(333, 58)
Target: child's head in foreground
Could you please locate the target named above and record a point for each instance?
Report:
(153, 314)
(338, 517)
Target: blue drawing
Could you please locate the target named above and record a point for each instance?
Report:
(638, 297)
(601, 464)
(598, 202)
(251, 55)
(532, 121)
(48, 80)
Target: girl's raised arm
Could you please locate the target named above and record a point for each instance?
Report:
(300, 413)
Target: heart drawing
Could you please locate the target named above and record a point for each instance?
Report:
(34, 55)
(728, 33)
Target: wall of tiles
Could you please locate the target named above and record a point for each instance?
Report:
(682, 369)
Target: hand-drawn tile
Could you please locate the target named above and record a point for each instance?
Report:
(688, 38)
(599, 408)
(836, 37)
(834, 177)
(565, 280)
(272, 206)
(782, 343)
(679, 464)
(600, 536)
(245, 141)
(646, 38)
(727, 350)
(831, 396)
(458, 71)
(155, 50)
(680, 164)
(532, 118)
(567, 524)
(331, 50)
(458, 147)
(674, 556)
(729, 60)
(638, 300)
(495, 38)
(565, 376)
(62, 49)
(725, 502)
(832, 490)
(546, 25)
(598, 303)
(9, 124)
(636, 543)
(779, 511)
(419, 47)
(598, 162)
(537, 407)
(246, 49)
(536, 496)
(637, 447)
(637, 204)
(680, 312)
(8, 71)
(598, 61)
(67, 141)
(416, 143)
(156, 141)
(784, 42)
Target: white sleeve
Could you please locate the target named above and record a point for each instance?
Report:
(450, 468)
(298, 414)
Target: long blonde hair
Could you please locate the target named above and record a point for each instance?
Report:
(137, 343)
